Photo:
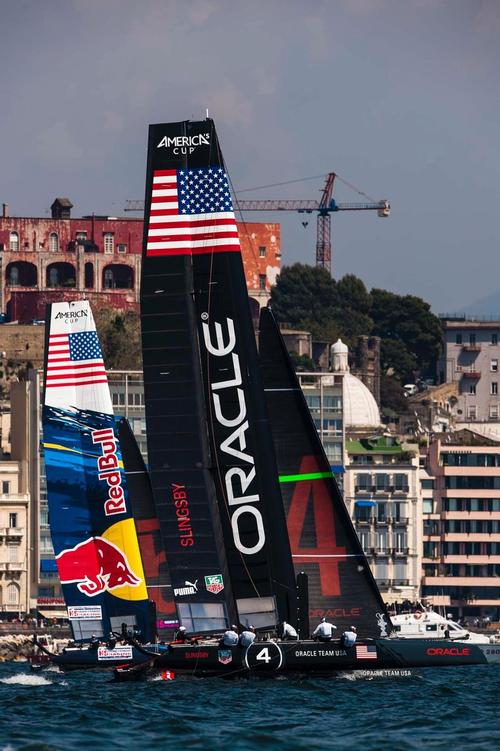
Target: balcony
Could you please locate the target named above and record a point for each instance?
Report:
(11, 566)
(402, 520)
(471, 347)
(400, 552)
(11, 531)
(383, 521)
(471, 374)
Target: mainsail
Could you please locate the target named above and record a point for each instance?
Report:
(92, 528)
(323, 540)
(209, 446)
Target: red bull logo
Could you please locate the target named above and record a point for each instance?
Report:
(96, 565)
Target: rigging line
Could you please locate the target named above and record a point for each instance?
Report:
(248, 236)
(285, 182)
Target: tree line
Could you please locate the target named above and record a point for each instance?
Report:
(307, 298)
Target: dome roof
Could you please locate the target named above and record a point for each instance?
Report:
(339, 347)
(360, 407)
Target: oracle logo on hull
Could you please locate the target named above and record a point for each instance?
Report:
(452, 651)
(236, 479)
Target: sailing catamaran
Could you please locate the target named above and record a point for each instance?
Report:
(92, 526)
(255, 528)
(240, 518)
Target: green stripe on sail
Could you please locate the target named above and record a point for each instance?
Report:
(305, 476)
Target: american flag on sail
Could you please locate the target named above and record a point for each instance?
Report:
(191, 212)
(74, 360)
(365, 652)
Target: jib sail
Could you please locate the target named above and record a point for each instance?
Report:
(324, 542)
(153, 554)
(208, 438)
(92, 528)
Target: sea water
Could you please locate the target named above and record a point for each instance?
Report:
(438, 708)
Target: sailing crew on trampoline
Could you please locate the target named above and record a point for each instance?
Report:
(287, 632)
(247, 637)
(230, 637)
(180, 635)
(348, 638)
(324, 631)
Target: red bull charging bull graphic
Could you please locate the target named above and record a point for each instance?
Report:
(96, 566)
(93, 531)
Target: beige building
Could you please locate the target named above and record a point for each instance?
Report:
(462, 524)
(14, 534)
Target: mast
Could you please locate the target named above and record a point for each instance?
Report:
(92, 527)
(324, 542)
(208, 434)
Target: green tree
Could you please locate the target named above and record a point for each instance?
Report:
(120, 336)
(303, 295)
(394, 355)
(409, 320)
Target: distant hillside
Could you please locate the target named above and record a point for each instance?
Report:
(486, 306)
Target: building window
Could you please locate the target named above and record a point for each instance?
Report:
(122, 248)
(427, 484)
(458, 339)
(12, 521)
(427, 506)
(262, 251)
(471, 413)
(494, 338)
(12, 594)
(472, 339)
(493, 411)
(472, 388)
(5, 487)
(109, 242)
(53, 242)
(14, 241)
(494, 366)
(494, 388)
(262, 281)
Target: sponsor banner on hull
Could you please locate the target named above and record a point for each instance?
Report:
(85, 613)
(118, 653)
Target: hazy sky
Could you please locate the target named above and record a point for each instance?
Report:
(400, 97)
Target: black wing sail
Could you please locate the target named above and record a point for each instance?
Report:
(153, 555)
(207, 426)
(323, 540)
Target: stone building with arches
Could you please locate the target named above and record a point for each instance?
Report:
(44, 260)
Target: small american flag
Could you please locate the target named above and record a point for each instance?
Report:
(191, 212)
(364, 652)
(74, 360)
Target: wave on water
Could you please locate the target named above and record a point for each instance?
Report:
(26, 679)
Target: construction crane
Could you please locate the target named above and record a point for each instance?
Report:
(324, 208)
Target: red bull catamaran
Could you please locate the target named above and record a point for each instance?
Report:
(93, 530)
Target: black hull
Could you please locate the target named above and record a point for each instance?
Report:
(324, 657)
(85, 659)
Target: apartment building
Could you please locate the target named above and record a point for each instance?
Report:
(381, 492)
(471, 358)
(461, 524)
